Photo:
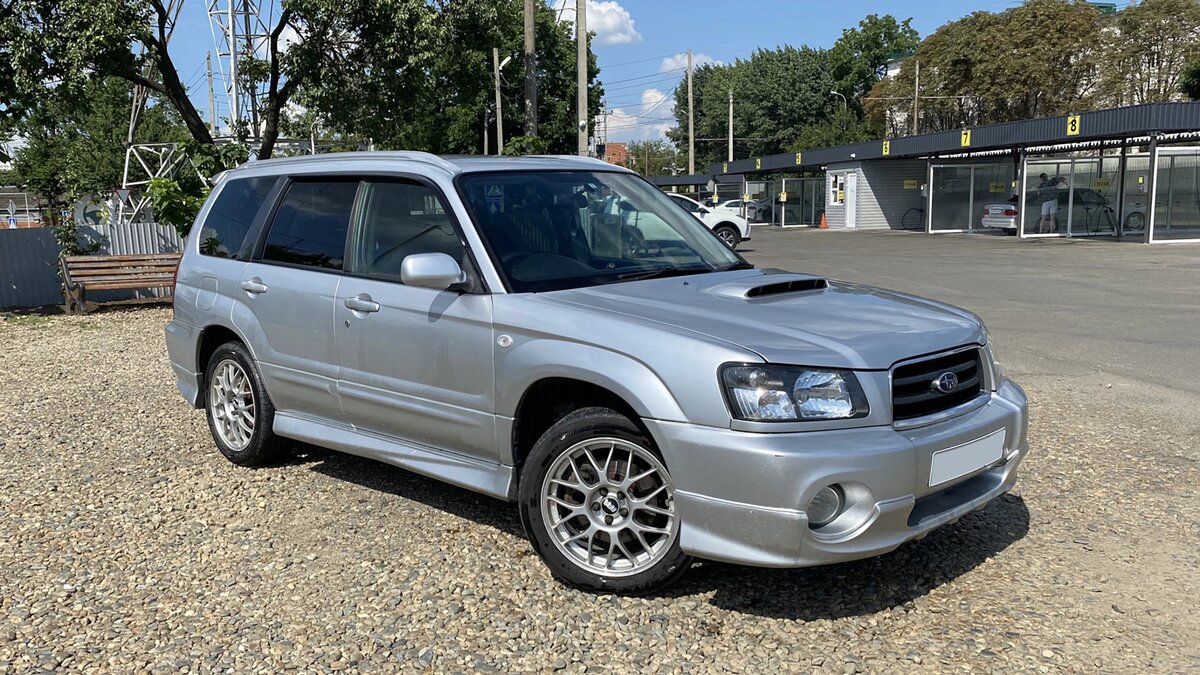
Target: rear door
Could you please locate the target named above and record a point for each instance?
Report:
(416, 363)
(288, 289)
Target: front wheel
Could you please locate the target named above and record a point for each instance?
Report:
(597, 503)
(728, 234)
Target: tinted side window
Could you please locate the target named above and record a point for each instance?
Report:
(231, 214)
(310, 226)
(397, 220)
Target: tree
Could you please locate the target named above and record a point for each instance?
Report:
(74, 149)
(1190, 84)
(861, 54)
(654, 157)
(1034, 60)
(842, 127)
(1149, 48)
(777, 92)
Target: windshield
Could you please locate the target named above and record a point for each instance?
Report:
(551, 230)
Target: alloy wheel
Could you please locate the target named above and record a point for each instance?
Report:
(231, 400)
(608, 505)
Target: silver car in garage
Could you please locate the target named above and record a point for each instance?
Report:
(554, 332)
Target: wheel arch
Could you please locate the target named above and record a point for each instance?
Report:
(209, 339)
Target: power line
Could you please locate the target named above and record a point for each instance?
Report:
(629, 63)
(644, 77)
(643, 84)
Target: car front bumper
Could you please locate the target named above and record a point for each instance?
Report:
(741, 496)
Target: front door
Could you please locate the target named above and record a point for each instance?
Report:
(416, 363)
(288, 292)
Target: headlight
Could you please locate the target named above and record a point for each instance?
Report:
(787, 393)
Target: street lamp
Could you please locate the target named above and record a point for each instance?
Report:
(844, 104)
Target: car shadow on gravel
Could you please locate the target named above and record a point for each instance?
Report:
(828, 592)
(392, 480)
(863, 586)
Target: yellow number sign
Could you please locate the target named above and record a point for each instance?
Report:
(745, 196)
(910, 185)
(966, 138)
(758, 163)
(783, 196)
(725, 167)
(1101, 183)
(997, 187)
(1072, 125)
(887, 148)
(799, 158)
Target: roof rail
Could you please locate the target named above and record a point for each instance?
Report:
(383, 155)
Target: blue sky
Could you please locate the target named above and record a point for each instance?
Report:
(640, 43)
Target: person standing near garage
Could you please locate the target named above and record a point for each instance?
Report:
(1047, 191)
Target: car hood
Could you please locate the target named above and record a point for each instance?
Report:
(790, 318)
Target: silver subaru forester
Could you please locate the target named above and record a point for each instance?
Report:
(555, 331)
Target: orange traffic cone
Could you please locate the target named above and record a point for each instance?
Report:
(824, 225)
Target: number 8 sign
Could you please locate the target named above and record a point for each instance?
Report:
(1072, 125)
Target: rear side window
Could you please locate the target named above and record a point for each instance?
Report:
(231, 214)
(310, 226)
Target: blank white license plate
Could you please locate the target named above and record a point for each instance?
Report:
(963, 459)
(995, 212)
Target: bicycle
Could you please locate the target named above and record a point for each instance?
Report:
(917, 222)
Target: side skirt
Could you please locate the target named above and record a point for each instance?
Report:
(495, 480)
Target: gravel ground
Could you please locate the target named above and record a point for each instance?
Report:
(127, 543)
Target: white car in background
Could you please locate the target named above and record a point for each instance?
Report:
(734, 206)
(729, 226)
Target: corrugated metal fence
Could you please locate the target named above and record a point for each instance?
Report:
(29, 260)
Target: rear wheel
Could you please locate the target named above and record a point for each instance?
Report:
(239, 411)
(597, 503)
(1135, 222)
(728, 234)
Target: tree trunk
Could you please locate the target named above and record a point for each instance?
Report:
(177, 94)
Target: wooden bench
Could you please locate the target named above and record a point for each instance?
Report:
(83, 273)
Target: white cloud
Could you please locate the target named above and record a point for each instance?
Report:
(611, 22)
(679, 61)
(648, 119)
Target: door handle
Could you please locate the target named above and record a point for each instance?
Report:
(362, 303)
(254, 285)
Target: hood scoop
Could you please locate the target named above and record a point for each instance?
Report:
(769, 285)
(791, 286)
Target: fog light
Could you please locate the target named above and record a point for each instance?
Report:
(825, 506)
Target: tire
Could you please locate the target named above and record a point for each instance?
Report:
(644, 557)
(1135, 222)
(728, 234)
(233, 392)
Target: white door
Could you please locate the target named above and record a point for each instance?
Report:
(852, 199)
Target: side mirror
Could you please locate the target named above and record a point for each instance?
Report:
(431, 270)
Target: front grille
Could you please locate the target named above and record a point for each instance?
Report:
(913, 393)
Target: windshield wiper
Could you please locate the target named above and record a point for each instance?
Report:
(739, 265)
(663, 272)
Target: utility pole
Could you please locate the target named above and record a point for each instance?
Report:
(499, 114)
(530, 73)
(730, 158)
(691, 120)
(916, 121)
(581, 74)
(212, 108)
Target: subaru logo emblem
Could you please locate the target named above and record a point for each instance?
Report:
(945, 383)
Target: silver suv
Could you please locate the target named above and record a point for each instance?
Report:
(554, 331)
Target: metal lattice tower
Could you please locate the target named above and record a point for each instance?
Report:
(239, 33)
